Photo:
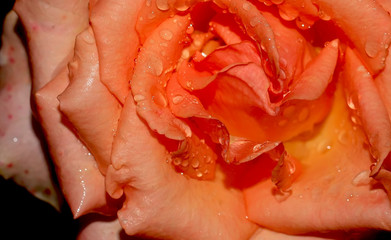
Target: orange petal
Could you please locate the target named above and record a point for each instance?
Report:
(364, 96)
(356, 19)
(114, 25)
(335, 173)
(317, 75)
(257, 28)
(88, 105)
(154, 65)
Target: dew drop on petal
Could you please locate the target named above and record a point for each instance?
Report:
(155, 66)
(246, 6)
(371, 48)
(323, 15)
(185, 163)
(166, 34)
(199, 174)
(350, 102)
(177, 161)
(138, 97)
(177, 99)
(162, 5)
(195, 163)
(362, 178)
(277, 1)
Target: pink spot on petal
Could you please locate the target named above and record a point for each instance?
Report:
(10, 165)
(10, 116)
(26, 171)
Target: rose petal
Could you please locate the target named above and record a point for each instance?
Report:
(313, 81)
(155, 192)
(154, 65)
(364, 96)
(19, 136)
(117, 41)
(51, 28)
(79, 177)
(256, 27)
(330, 179)
(87, 103)
(355, 18)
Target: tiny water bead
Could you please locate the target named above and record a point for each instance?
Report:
(138, 97)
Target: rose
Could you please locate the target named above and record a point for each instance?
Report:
(243, 84)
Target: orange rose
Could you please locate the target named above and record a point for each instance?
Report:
(216, 119)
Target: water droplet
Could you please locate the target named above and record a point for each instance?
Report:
(15, 139)
(363, 178)
(181, 6)
(166, 34)
(258, 147)
(323, 15)
(151, 15)
(301, 196)
(246, 6)
(277, 1)
(324, 146)
(138, 97)
(208, 159)
(148, 3)
(254, 21)
(371, 48)
(199, 174)
(302, 25)
(177, 161)
(162, 5)
(177, 99)
(304, 114)
(195, 163)
(155, 65)
(185, 163)
(350, 102)
(343, 137)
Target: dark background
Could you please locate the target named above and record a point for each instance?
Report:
(25, 217)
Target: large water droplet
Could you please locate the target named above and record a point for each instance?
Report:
(343, 137)
(277, 1)
(177, 161)
(177, 99)
(371, 48)
(162, 5)
(166, 34)
(350, 102)
(323, 15)
(195, 163)
(362, 178)
(138, 97)
(155, 66)
(185, 163)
